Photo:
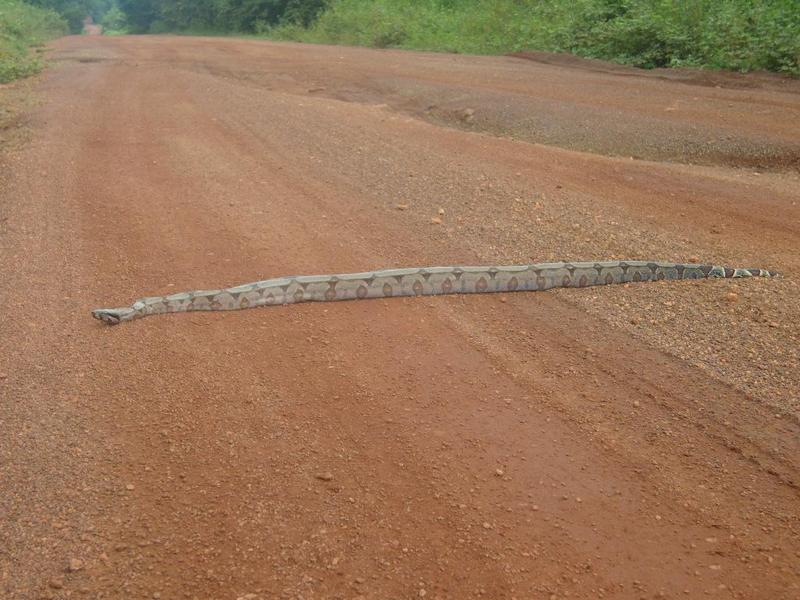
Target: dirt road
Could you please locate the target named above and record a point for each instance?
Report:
(627, 442)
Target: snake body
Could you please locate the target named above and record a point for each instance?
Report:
(431, 281)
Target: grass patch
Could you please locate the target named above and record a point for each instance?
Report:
(23, 31)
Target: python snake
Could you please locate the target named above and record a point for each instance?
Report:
(432, 281)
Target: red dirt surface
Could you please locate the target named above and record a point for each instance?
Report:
(626, 442)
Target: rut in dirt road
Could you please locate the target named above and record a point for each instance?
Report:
(620, 441)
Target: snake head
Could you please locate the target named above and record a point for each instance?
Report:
(110, 316)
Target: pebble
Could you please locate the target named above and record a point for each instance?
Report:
(129, 487)
(56, 583)
(326, 476)
(401, 206)
(441, 211)
(732, 297)
(468, 114)
(499, 472)
(75, 564)
(436, 221)
(636, 403)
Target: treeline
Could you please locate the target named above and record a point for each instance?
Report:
(75, 11)
(239, 16)
(23, 30)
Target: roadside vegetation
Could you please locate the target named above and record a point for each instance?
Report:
(743, 35)
(23, 30)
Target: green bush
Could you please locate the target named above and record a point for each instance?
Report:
(732, 34)
(21, 27)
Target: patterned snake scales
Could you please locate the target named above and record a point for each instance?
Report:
(433, 281)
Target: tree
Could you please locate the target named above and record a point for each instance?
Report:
(114, 19)
(141, 14)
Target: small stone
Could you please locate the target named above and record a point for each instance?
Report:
(499, 472)
(156, 595)
(774, 324)
(658, 517)
(326, 476)
(694, 259)
(360, 580)
(636, 403)
(467, 115)
(441, 211)
(401, 206)
(732, 297)
(422, 593)
(436, 221)
(75, 564)
(487, 525)
(56, 583)
(129, 487)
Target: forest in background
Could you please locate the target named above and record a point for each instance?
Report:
(742, 35)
